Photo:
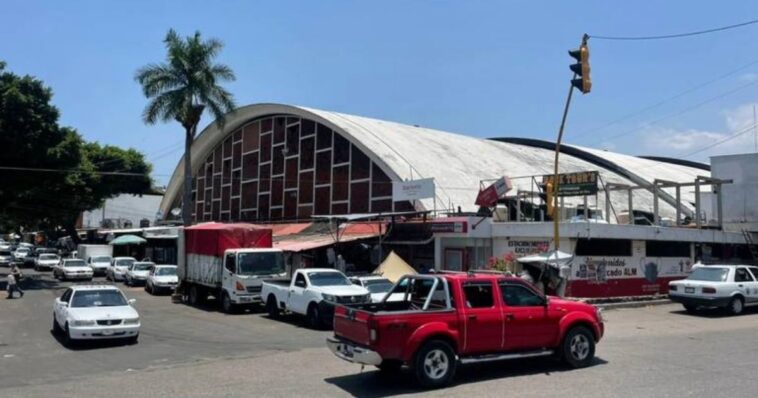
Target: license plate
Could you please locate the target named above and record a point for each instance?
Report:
(107, 332)
(246, 299)
(689, 290)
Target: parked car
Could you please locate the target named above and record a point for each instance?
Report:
(450, 319)
(137, 273)
(87, 312)
(46, 262)
(161, 278)
(6, 257)
(99, 264)
(312, 292)
(730, 287)
(118, 268)
(376, 285)
(72, 268)
(20, 253)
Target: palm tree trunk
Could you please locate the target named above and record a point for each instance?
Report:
(187, 203)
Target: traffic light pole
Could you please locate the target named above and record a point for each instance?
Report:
(556, 209)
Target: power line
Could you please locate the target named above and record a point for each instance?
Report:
(116, 173)
(675, 35)
(717, 143)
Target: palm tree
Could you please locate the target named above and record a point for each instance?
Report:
(182, 89)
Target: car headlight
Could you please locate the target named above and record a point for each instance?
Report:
(367, 297)
(329, 297)
(83, 323)
(131, 321)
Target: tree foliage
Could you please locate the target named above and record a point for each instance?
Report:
(182, 88)
(48, 173)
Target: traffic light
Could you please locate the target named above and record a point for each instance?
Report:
(581, 68)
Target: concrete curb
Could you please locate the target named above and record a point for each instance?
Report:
(632, 304)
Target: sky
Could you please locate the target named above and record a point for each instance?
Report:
(480, 68)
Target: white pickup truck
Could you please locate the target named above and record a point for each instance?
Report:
(312, 292)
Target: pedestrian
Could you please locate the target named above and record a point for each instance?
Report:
(13, 278)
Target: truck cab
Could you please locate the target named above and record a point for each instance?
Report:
(244, 271)
(450, 319)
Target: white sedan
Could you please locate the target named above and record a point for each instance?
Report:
(137, 273)
(86, 312)
(72, 268)
(118, 268)
(731, 287)
(161, 277)
(46, 261)
(376, 285)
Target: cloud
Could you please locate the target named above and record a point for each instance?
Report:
(667, 139)
(748, 77)
(741, 117)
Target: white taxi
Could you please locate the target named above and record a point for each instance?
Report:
(72, 268)
(731, 287)
(87, 312)
(161, 277)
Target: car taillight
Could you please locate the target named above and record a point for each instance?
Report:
(672, 287)
(709, 290)
(239, 286)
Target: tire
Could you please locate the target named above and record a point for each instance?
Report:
(194, 295)
(578, 347)
(435, 364)
(314, 317)
(227, 306)
(272, 307)
(736, 306)
(56, 327)
(690, 308)
(67, 340)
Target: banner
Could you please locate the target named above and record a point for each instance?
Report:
(412, 190)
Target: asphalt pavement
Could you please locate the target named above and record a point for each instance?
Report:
(657, 351)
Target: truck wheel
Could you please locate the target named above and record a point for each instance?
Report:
(226, 304)
(435, 364)
(272, 308)
(194, 295)
(578, 347)
(735, 306)
(314, 317)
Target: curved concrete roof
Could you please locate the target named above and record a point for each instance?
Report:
(457, 162)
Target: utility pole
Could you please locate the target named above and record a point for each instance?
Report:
(582, 70)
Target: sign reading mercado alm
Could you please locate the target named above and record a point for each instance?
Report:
(413, 190)
(574, 184)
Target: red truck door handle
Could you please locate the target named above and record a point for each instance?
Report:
(472, 317)
(509, 317)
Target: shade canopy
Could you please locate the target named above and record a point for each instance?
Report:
(554, 258)
(128, 240)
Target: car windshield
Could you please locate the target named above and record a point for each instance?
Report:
(125, 262)
(142, 266)
(165, 271)
(22, 249)
(101, 259)
(709, 274)
(378, 285)
(262, 263)
(5, 253)
(98, 298)
(48, 257)
(328, 279)
(74, 263)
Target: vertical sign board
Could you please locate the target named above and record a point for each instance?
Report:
(413, 190)
(488, 196)
(575, 184)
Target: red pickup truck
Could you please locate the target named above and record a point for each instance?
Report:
(431, 323)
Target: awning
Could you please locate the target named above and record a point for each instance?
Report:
(310, 242)
(128, 240)
(552, 258)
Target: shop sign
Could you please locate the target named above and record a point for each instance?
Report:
(488, 196)
(451, 226)
(413, 190)
(575, 184)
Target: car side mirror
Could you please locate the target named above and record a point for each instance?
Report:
(132, 301)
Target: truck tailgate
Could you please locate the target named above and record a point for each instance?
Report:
(353, 324)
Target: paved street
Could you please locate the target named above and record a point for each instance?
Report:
(654, 351)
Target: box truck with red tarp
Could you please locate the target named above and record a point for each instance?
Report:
(228, 262)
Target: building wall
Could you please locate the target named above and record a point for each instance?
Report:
(740, 208)
(287, 167)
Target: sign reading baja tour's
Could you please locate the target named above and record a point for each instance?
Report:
(413, 190)
(574, 184)
(488, 196)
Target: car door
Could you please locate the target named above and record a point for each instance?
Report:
(296, 301)
(529, 323)
(61, 307)
(744, 283)
(751, 296)
(482, 319)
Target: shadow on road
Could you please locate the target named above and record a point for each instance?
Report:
(374, 384)
(88, 344)
(715, 313)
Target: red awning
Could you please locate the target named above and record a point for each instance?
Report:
(310, 242)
